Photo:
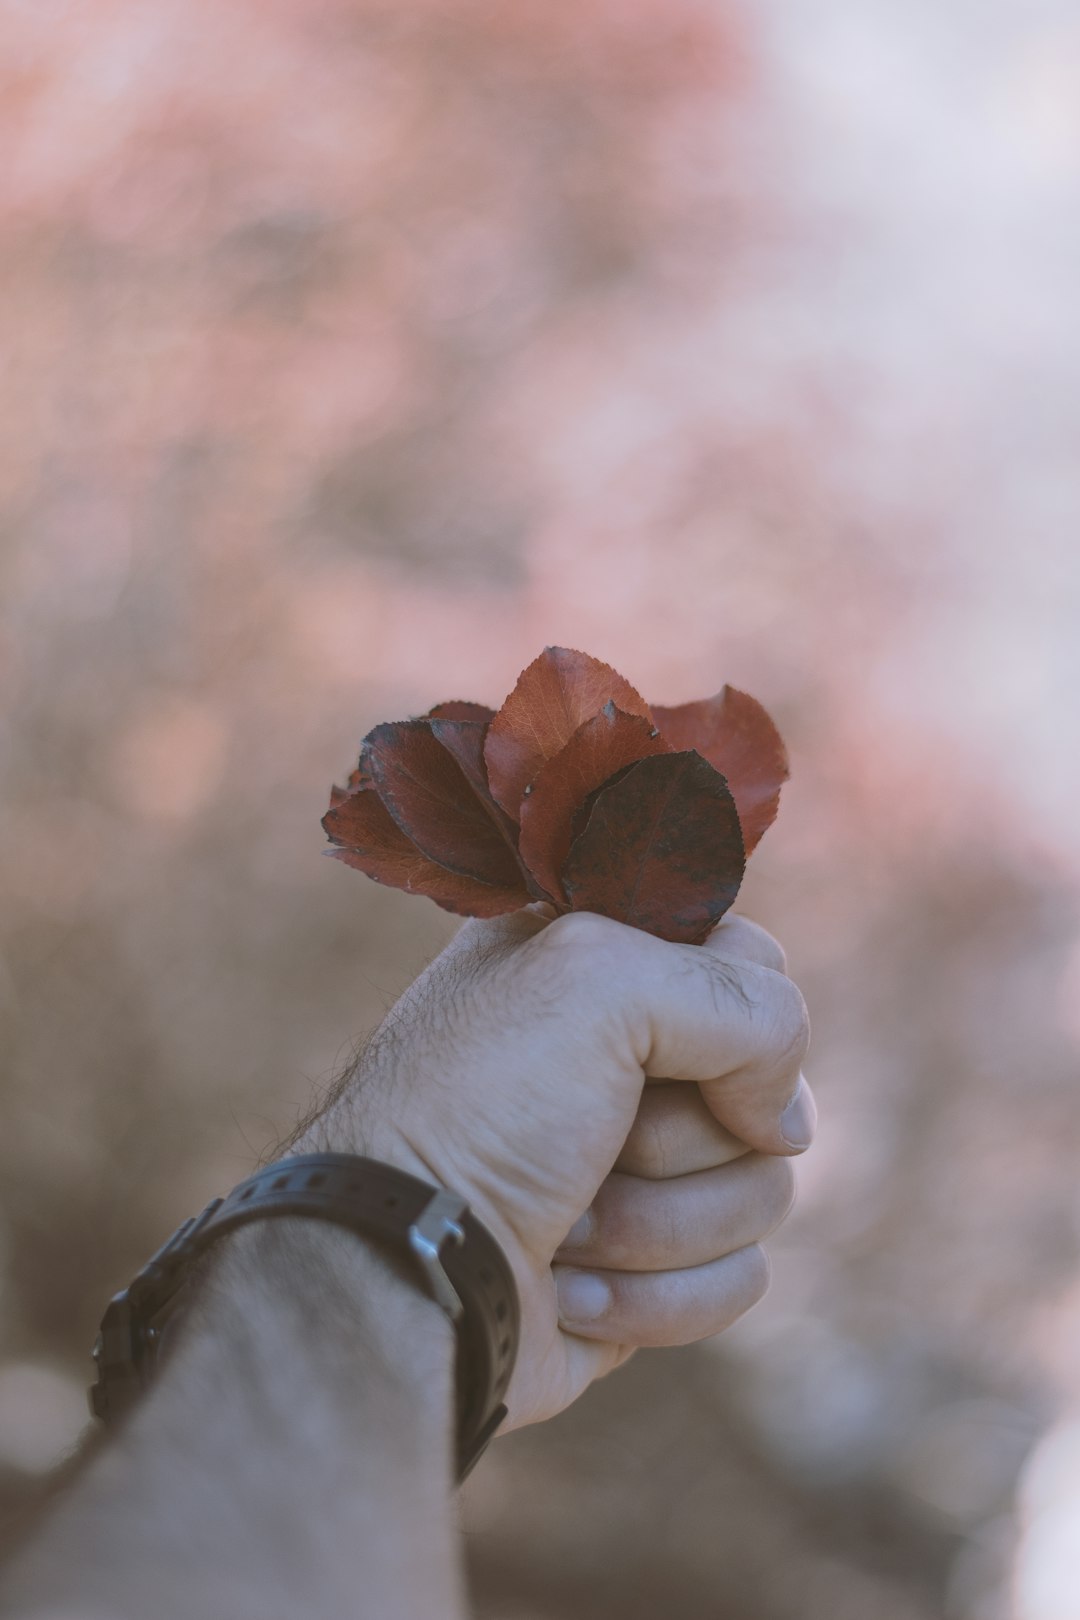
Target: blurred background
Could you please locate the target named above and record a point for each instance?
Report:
(355, 350)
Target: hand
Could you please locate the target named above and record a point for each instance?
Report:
(515, 1071)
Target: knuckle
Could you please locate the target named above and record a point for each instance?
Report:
(581, 931)
(728, 982)
(758, 944)
(778, 956)
(587, 954)
(770, 951)
(790, 1026)
(581, 945)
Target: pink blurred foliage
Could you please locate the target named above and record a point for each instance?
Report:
(355, 353)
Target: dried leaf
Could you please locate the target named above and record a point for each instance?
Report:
(357, 779)
(734, 733)
(662, 849)
(434, 803)
(571, 792)
(598, 749)
(367, 837)
(558, 692)
(458, 709)
(465, 740)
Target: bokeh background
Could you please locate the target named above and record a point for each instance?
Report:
(354, 350)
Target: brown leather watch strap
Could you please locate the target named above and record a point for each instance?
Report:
(453, 1257)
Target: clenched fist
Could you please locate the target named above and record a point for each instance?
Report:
(618, 1110)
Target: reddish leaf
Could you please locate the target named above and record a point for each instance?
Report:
(465, 740)
(558, 692)
(662, 849)
(368, 837)
(734, 733)
(596, 751)
(620, 813)
(357, 779)
(435, 804)
(458, 709)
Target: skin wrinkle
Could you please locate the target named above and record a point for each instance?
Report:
(638, 1228)
(558, 966)
(746, 1273)
(798, 1043)
(422, 1157)
(658, 1140)
(671, 1228)
(676, 1116)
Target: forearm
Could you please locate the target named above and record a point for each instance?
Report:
(294, 1457)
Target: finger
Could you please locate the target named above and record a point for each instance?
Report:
(661, 1307)
(738, 938)
(636, 1225)
(741, 1030)
(674, 1133)
(760, 1034)
(681, 1012)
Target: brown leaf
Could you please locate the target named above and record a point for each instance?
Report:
(734, 733)
(435, 804)
(558, 692)
(367, 837)
(598, 749)
(357, 779)
(458, 709)
(662, 849)
(465, 740)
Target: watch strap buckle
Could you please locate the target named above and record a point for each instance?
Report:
(438, 1224)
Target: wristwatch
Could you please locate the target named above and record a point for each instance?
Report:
(452, 1257)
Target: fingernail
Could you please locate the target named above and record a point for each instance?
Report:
(580, 1232)
(799, 1119)
(583, 1296)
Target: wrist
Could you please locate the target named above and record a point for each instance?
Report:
(349, 1127)
(299, 1430)
(428, 1247)
(309, 1321)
